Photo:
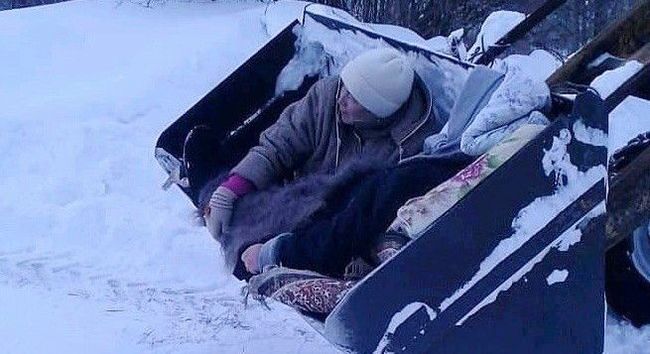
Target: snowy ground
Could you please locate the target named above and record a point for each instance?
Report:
(94, 257)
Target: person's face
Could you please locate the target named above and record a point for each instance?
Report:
(352, 112)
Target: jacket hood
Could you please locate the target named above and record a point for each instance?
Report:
(415, 112)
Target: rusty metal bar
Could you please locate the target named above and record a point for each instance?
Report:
(628, 202)
(622, 38)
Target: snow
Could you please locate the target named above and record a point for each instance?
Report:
(589, 135)
(455, 43)
(557, 276)
(348, 43)
(398, 319)
(43, 316)
(495, 26)
(438, 43)
(539, 64)
(601, 59)
(623, 338)
(402, 34)
(641, 252)
(570, 184)
(610, 80)
(310, 60)
(278, 15)
(626, 121)
(570, 237)
(336, 14)
(94, 257)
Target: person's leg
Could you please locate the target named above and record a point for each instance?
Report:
(326, 245)
(316, 293)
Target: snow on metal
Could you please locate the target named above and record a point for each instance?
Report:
(398, 319)
(570, 184)
(626, 121)
(589, 135)
(610, 80)
(557, 276)
(571, 236)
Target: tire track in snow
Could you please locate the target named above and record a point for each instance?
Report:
(171, 317)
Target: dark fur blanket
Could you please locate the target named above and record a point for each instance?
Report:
(261, 215)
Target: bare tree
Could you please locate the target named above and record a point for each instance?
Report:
(15, 4)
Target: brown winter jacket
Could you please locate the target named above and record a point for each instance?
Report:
(309, 136)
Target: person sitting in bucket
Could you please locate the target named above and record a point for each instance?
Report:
(378, 108)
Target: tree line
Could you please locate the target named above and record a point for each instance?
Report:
(564, 31)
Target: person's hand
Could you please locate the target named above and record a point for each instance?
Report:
(250, 258)
(217, 219)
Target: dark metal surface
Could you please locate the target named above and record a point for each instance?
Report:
(342, 26)
(531, 317)
(628, 202)
(637, 85)
(249, 88)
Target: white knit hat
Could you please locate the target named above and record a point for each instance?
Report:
(380, 80)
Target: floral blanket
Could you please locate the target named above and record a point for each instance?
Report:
(417, 215)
